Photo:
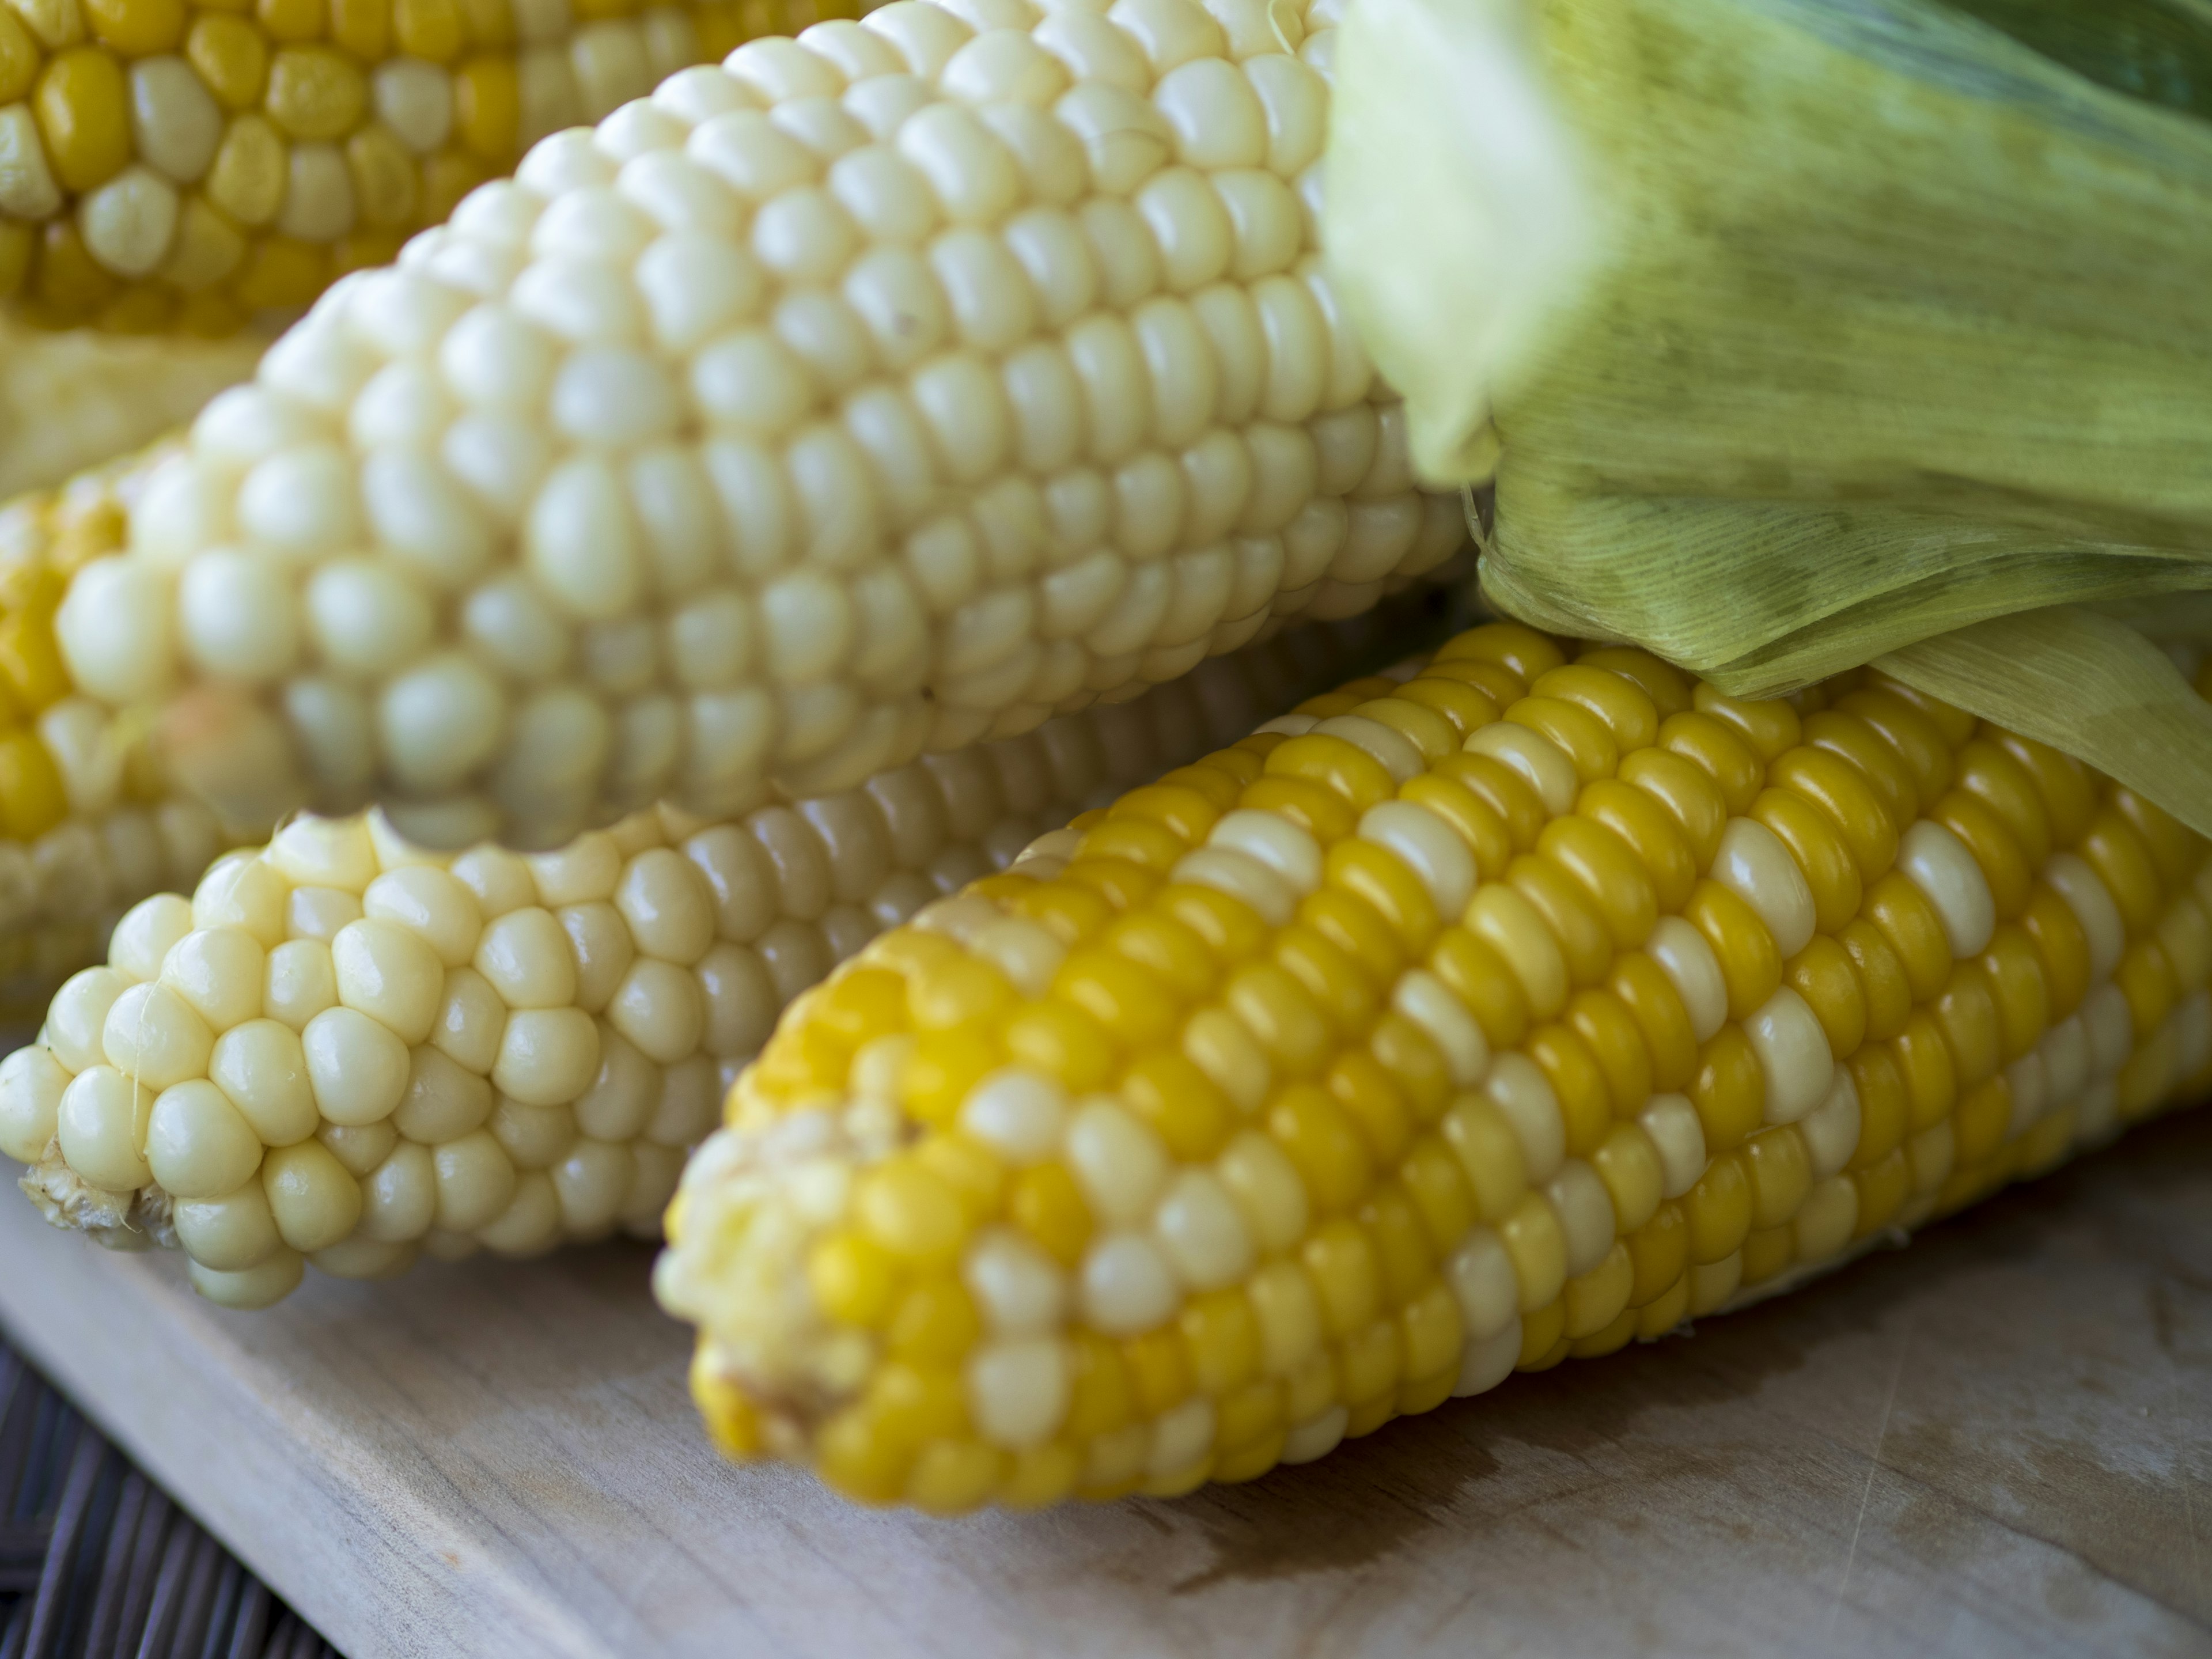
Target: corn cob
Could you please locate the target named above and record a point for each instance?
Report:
(881, 391)
(174, 167)
(1522, 1011)
(72, 401)
(345, 1048)
(87, 826)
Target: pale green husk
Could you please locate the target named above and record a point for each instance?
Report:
(1814, 331)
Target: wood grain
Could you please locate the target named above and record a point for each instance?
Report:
(1997, 1441)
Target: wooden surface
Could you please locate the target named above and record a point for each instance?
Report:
(1997, 1441)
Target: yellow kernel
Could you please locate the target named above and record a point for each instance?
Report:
(1718, 1210)
(1584, 938)
(363, 27)
(1062, 1041)
(1183, 1106)
(852, 1279)
(1543, 1337)
(942, 1069)
(1766, 1252)
(430, 29)
(289, 19)
(1324, 1144)
(1749, 962)
(1731, 765)
(231, 57)
(1348, 770)
(487, 106)
(1823, 975)
(315, 93)
(1931, 1080)
(1980, 1121)
(1884, 1105)
(1599, 1297)
(20, 57)
(1901, 913)
(31, 800)
(1484, 983)
(1368, 1363)
(911, 1211)
(1100, 1395)
(1572, 1071)
(1440, 1192)
(1356, 927)
(1780, 1174)
(1497, 786)
(84, 116)
(1819, 852)
(976, 1178)
(1159, 1377)
(1221, 1340)
(1533, 1238)
(1850, 804)
(935, 1324)
(913, 1403)
(1603, 1023)
(731, 1423)
(136, 28)
(1045, 1202)
(2147, 981)
(853, 1455)
(1517, 648)
(450, 175)
(1132, 1006)
(1376, 875)
(31, 663)
(1310, 803)
(1658, 1254)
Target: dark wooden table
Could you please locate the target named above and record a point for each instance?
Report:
(1997, 1441)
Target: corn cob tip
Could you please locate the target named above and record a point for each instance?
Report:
(346, 1050)
(1513, 1011)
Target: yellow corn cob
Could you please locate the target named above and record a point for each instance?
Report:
(345, 1047)
(1521, 1012)
(881, 391)
(172, 166)
(87, 825)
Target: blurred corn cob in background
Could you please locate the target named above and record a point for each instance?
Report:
(87, 825)
(175, 166)
(883, 390)
(78, 400)
(1516, 1013)
(346, 1048)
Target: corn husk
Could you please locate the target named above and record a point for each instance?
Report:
(1803, 333)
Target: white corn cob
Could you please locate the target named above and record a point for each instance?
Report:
(346, 1048)
(878, 392)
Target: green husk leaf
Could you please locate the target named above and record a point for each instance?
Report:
(2082, 681)
(1812, 329)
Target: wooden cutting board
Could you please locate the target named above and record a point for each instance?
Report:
(1998, 1441)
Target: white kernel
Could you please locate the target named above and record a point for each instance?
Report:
(1429, 846)
(1521, 1092)
(1691, 967)
(32, 1082)
(101, 1122)
(547, 1056)
(1242, 877)
(2109, 1027)
(1197, 1224)
(1020, 1291)
(1018, 1391)
(1180, 1438)
(366, 618)
(614, 396)
(1488, 1361)
(2066, 1060)
(152, 1035)
(2093, 906)
(1938, 863)
(270, 1280)
(1540, 761)
(415, 99)
(129, 222)
(1126, 1286)
(439, 721)
(230, 1234)
(1423, 998)
(1483, 1283)
(1320, 1435)
(1793, 1054)
(145, 935)
(218, 972)
(1676, 1130)
(302, 500)
(1119, 1162)
(356, 1065)
(1831, 1130)
(1585, 1212)
(1017, 1112)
